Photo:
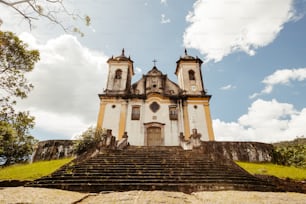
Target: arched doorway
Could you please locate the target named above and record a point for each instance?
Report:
(154, 134)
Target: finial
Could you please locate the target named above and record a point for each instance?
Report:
(154, 61)
(122, 54)
(185, 51)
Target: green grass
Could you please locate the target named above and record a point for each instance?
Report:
(31, 171)
(274, 170)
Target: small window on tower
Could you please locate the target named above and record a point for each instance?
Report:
(173, 113)
(118, 74)
(191, 75)
(135, 112)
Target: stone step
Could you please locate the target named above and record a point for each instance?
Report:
(186, 188)
(146, 173)
(129, 159)
(149, 175)
(115, 170)
(151, 168)
(164, 176)
(156, 181)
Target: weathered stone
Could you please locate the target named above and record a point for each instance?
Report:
(53, 149)
(240, 151)
(153, 168)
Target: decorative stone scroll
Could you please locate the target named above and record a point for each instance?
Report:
(109, 141)
(123, 143)
(194, 140)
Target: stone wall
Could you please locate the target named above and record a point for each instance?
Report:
(53, 149)
(237, 151)
(240, 151)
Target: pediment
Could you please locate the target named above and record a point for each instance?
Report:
(155, 82)
(154, 72)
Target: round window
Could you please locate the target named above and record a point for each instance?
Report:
(154, 107)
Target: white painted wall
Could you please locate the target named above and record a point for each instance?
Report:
(172, 128)
(183, 78)
(197, 120)
(136, 129)
(112, 118)
(111, 85)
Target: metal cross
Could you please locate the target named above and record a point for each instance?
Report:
(154, 61)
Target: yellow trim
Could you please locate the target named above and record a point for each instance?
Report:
(108, 99)
(186, 121)
(101, 114)
(211, 136)
(122, 122)
(207, 98)
(157, 97)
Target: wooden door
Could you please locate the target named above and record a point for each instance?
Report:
(154, 136)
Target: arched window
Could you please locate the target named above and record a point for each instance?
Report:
(118, 74)
(191, 75)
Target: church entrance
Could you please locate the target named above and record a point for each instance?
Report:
(154, 134)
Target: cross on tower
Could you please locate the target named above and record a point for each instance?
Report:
(154, 61)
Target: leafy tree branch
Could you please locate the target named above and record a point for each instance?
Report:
(51, 10)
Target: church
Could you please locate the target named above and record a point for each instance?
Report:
(171, 117)
(155, 111)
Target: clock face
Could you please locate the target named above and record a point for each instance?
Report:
(193, 88)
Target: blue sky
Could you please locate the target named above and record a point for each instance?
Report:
(254, 53)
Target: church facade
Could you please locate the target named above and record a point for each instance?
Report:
(155, 111)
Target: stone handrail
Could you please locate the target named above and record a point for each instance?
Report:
(123, 143)
(194, 140)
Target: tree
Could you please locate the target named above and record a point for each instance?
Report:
(15, 61)
(16, 142)
(52, 10)
(88, 139)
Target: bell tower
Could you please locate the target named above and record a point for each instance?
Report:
(188, 71)
(120, 74)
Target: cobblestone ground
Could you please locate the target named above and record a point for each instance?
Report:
(41, 196)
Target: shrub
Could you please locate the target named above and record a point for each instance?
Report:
(291, 153)
(88, 139)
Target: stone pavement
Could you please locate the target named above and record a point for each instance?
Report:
(42, 195)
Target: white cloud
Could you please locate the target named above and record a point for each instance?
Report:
(138, 70)
(227, 87)
(220, 27)
(67, 81)
(266, 121)
(164, 20)
(164, 2)
(284, 77)
(59, 124)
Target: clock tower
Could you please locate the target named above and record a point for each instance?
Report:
(188, 71)
(119, 75)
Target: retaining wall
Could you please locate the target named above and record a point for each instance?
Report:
(241, 151)
(53, 149)
(237, 151)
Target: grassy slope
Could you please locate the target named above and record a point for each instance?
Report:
(31, 171)
(274, 170)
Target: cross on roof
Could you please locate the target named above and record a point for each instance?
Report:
(154, 61)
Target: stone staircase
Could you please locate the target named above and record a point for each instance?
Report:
(152, 168)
